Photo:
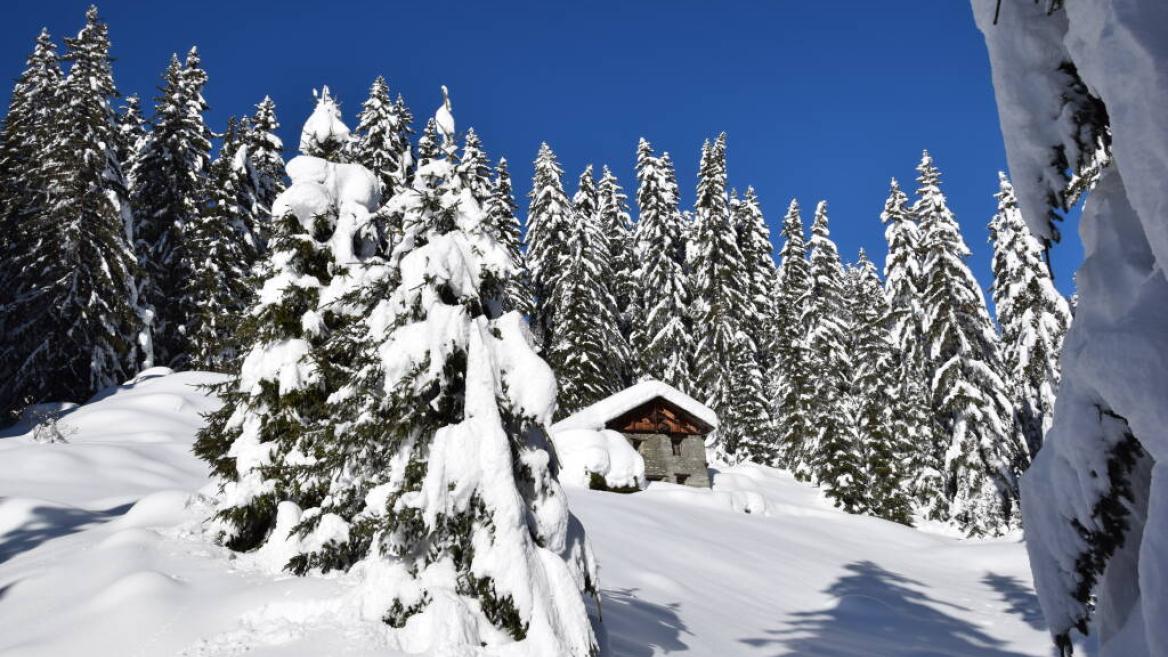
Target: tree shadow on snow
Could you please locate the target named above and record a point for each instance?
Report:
(637, 627)
(879, 613)
(1021, 598)
(49, 522)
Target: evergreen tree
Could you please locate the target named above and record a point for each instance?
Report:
(475, 168)
(588, 353)
(131, 130)
(660, 338)
(549, 222)
(1033, 316)
(970, 399)
(437, 472)
(275, 409)
(902, 289)
(169, 185)
(325, 135)
(793, 376)
(24, 155)
(220, 251)
(72, 321)
(265, 152)
(754, 239)
(379, 143)
(719, 300)
(882, 431)
(835, 453)
(503, 223)
(616, 225)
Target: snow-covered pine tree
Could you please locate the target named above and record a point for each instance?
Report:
(169, 176)
(503, 222)
(588, 353)
(660, 339)
(719, 299)
(79, 322)
(970, 398)
(131, 130)
(275, 408)
(1033, 315)
(24, 149)
(475, 168)
(883, 434)
(378, 143)
(617, 226)
(441, 480)
(266, 151)
(836, 461)
(220, 249)
(549, 222)
(754, 239)
(902, 289)
(792, 378)
(325, 135)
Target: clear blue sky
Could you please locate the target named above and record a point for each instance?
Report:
(820, 100)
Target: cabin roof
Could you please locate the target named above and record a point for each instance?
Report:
(598, 415)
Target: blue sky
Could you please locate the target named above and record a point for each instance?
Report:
(820, 100)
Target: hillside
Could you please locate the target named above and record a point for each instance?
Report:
(102, 554)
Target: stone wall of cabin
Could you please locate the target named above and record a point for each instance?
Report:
(661, 464)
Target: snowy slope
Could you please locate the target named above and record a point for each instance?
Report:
(102, 553)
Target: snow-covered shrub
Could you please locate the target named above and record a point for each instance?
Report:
(602, 460)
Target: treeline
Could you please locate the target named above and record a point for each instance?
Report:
(126, 245)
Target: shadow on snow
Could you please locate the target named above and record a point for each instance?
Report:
(49, 522)
(638, 628)
(879, 613)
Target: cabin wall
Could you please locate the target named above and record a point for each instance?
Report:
(661, 464)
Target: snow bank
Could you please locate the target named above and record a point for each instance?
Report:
(598, 414)
(584, 452)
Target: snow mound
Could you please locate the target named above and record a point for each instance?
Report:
(584, 452)
(598, 414)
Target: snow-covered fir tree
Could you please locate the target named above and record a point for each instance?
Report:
(221, 247)
(475, 168)
(902, 289)
(792, 378)
(503, 222)
(617, 226)
(438, 477)
(720, 284)
(265, 151)
(1033, 315)
(660, 338)
(325, 135)
(970, 398)
(275, 407)
(24, 155)
(884, 435)
(169, 176)
(132, 129)
(380, 144)
(72, 322)
(835, 455)
(588, 352)
(549, 222)
(754, 238)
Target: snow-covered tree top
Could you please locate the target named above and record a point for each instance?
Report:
(324, 125)
(444, 117)
(597, 415)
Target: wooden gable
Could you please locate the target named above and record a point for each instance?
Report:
(659, 415)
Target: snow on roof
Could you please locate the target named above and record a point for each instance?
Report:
(597, 415)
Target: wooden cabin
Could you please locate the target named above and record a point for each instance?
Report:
(667, 428)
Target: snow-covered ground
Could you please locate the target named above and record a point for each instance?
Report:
(102, 554)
